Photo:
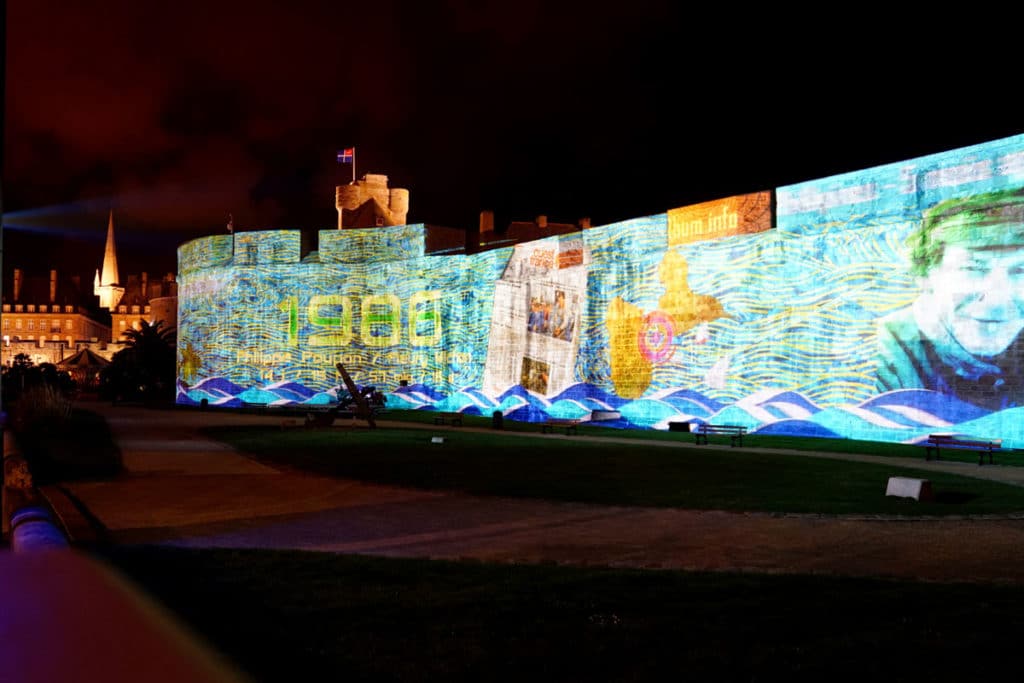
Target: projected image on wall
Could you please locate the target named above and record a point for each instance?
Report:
(537, 302)
(883, 304)
(961, 336)
(535, 376)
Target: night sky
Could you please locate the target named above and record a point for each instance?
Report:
(178, 114)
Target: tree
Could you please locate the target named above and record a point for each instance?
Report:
(22, 374)
(145, 369)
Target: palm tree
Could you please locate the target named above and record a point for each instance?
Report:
(145, 368)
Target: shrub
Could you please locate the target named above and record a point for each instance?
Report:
(61, 443)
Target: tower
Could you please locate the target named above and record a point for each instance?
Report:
(370, 203)
(107, 286)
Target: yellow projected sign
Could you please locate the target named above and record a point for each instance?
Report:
(741, 215)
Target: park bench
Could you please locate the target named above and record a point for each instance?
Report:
(448, 418)
(549, 425)
(937, 442)
(734, 432)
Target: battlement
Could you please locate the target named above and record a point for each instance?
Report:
(283, 247)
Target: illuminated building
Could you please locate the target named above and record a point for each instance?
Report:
(369, 203)
(760, 310)
(145, 299)
(49, 318)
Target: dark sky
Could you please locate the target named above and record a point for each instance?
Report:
(177, 114)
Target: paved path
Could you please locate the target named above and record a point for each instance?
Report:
(183, 489)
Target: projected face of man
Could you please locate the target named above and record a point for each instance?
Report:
(979, 293)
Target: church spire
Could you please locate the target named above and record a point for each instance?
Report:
(106, 285)
(110, 275)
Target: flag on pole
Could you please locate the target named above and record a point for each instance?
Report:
(231, 223)
(347, 155)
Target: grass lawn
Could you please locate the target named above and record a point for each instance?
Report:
(294, 616)
(639, 472)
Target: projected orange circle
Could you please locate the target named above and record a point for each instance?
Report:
(655, 337)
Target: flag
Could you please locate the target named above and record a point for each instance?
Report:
(231, 223)
(347, 155)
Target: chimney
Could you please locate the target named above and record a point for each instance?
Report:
(17, 284)
(486, 222)
(53, 286)
(585, 223)
(542, 221)
(145, 286)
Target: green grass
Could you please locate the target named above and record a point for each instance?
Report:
(800, 443)
(294, 616)
(606, 472)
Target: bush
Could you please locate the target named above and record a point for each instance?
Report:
(41, 407)
(61, 443)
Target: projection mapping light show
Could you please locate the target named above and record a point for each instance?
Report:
(884, 304)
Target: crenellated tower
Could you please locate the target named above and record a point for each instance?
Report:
(369, 203)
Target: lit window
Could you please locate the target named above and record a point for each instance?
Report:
(68, 339)
(7, 308)
(31, 324)
(69, 309)
(17, 324)
(121, 324)
(31, 308)
(18, 308)
(42, 309)
(135, 309)
(122, 309)
(147, 309)
(7, 324)
(69, 324)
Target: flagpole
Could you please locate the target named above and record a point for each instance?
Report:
(353, 165)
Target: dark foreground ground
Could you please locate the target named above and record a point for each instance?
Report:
(298, 576)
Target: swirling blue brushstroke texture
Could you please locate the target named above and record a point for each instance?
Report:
(793, 353)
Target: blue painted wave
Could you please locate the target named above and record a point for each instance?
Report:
(904, 416)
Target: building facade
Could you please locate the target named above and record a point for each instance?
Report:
(51, 317)
(144, 299)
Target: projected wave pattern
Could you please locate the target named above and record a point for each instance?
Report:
(905, 416)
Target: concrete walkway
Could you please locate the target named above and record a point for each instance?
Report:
(182, 489)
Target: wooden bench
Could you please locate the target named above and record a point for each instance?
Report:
(550, 424)
(734, 432)
(448, 418)
(937, 442)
